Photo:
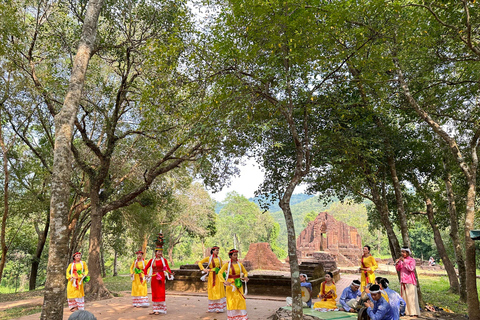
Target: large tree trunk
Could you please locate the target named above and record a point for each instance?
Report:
(382, 209)
(62, 170)
(115, 255)
(6, 182)
(452, 275)
(95, 289)
(102, 259)
(454, 234)
(402, 217)
(297, 311)
(42, 238)
(470, 261)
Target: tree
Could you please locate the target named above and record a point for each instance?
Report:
(276, 81)
(62, 170)
(241, 223)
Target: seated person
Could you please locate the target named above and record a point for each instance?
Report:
(384, 294)
(348, 299)
(378, 308)
(308, 285)
(328, 294)
(431, 261)
(395, 300)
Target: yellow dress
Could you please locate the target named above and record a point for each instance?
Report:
(368, 262)
(216, 289)
(139, 284)
(330, 302)
(75, 286)
(385, 296)
(75, 292)
(236, 306)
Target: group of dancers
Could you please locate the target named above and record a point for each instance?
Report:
(381, 302)
(226, 282)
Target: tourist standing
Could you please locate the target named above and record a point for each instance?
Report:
(378, 308)
(216, 289)
(348, 299)
(328, 294)
(77, 275)
(139, 282)
(158, 273)
(368, 265)
(408, 282)
(236, 305)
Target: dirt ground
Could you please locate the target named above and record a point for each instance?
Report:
(189, 305)
(180, 305)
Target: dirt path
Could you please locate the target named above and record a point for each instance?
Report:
(180, 305)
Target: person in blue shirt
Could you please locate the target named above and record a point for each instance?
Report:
(348, 299)
(394, 299)
(378, 308)
(308, 285)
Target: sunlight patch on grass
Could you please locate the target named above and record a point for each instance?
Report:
(17, 312)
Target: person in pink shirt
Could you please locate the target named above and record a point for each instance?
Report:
(408, 282)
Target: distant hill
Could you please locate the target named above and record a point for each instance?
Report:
(273, 207)
(299, 211)
(302, 204)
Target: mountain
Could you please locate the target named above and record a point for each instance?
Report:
(273, 207)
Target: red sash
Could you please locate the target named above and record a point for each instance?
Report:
(75, 283)
(214, 274)
(140, 274)
(365, 272)
(323, 290)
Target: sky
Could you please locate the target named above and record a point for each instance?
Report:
(251, 176)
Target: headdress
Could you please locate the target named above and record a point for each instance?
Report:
(232, 251)
(375, 288)
(159, 242)
(406, 249)
(73, 256)
(303, 274)
(139, 251)
(355, 283)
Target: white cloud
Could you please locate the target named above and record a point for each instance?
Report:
(251, 176)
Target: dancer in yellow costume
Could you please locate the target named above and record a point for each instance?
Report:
(328, 294)
(77, 275)
(368, 265)
(139, 282)
(236, 306)
(216, 289)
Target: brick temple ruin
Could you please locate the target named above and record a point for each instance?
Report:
(326, 234)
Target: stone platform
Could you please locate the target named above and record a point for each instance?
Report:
(187, 279)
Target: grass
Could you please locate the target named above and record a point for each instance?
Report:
(17, 312)
(5, 297)
(435, 290)
(118, 284)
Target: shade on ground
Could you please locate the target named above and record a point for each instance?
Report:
(329, 315)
